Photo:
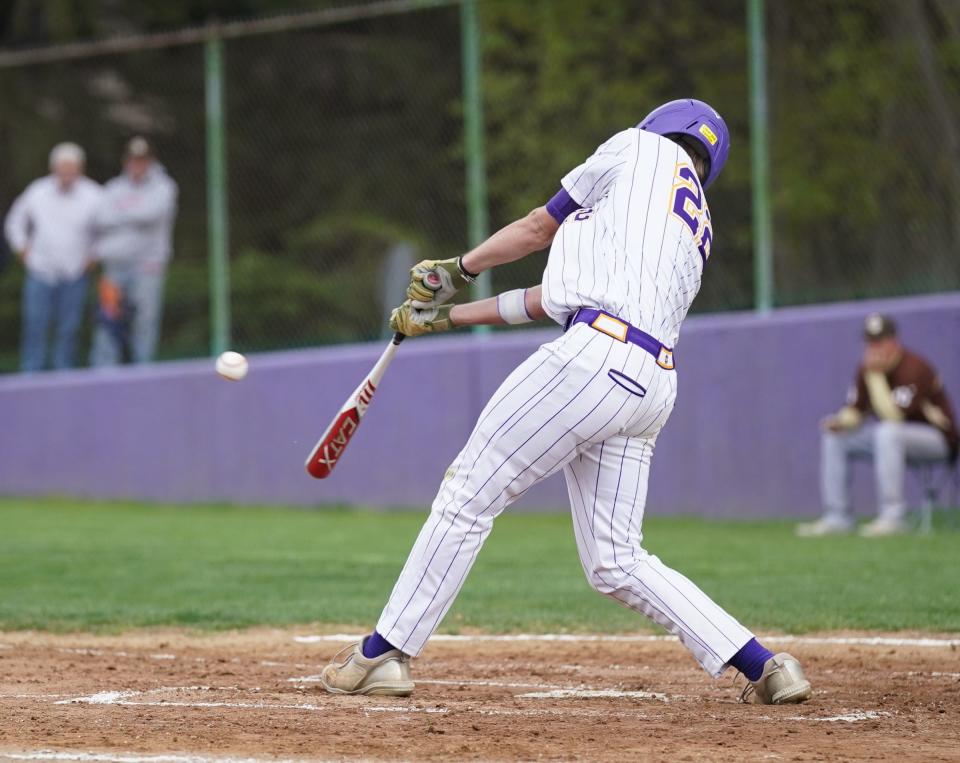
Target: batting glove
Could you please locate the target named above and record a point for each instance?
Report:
(434, 282)
(412, 321)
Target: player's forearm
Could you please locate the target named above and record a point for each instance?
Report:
(487, 312)
(513, 242)
(846, 419)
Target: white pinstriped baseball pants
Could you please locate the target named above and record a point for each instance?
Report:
(561, 409)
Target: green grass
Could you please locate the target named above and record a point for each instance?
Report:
(69, 565)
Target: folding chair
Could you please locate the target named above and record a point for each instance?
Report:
(938, 480)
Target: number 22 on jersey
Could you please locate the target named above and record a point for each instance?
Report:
(688, 204)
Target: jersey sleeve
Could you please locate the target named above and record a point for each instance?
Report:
(588, 183)
(561, 206)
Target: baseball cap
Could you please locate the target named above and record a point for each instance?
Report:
(878, 326)
(138, 148)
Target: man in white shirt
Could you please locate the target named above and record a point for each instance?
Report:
(50, 227)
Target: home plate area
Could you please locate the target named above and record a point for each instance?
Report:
(175, 697)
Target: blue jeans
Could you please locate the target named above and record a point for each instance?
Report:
(144, 290)
(62, 304)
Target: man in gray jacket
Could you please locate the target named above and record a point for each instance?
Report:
(134, 242)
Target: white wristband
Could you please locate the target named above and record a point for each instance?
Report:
(512, 306)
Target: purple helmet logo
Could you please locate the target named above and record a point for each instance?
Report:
(697, 120)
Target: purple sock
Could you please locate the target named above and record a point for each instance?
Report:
(374, 645)
(750, 659)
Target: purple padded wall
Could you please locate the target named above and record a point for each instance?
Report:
(742, 440)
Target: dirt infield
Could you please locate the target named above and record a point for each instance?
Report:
(170, 697)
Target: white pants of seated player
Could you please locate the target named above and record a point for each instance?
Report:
(891, 445)
(561, 410)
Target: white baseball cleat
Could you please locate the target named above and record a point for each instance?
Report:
(386, 675)
(782, 683)
(879, 528)
(822, 527)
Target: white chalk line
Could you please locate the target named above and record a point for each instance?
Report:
(104, 697)
(633, 639)
(440, 682)
(126, 757)
(851, 717)
(550, 691)
(595, 694)
(859, 715)
(123, 698)
(100, 698)
(115, 697)
(126, 698)
(496, 684)
(564, 713)
(865, 641)
(174, 703)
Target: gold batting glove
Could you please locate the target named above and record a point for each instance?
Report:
(411, 321)
(434, 282)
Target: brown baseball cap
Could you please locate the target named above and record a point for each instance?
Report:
(138, 148)
(878, 326)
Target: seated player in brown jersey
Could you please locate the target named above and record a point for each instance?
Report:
(897, 413)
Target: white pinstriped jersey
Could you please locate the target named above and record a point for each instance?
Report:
(638, 245)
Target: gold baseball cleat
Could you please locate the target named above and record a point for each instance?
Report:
(782, 683)
(386, 675)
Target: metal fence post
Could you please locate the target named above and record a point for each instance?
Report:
(477, 226)
(760, 159)
(217, 230)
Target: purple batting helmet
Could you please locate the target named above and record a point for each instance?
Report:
(697, 120)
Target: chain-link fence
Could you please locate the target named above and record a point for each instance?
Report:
(865, 117)
(345, 156)
(100, 102)
(344, 166)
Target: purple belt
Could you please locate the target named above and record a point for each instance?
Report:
(622, 331)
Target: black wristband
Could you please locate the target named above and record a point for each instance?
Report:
(464, 272)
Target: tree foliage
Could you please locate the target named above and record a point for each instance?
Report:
(345, 140)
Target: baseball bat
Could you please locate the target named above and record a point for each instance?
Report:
(328, 450)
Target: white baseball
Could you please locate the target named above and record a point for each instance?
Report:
(232, 366)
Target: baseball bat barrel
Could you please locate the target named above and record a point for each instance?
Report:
(326, 453)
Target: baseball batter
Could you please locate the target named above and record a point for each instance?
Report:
(630, 234)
